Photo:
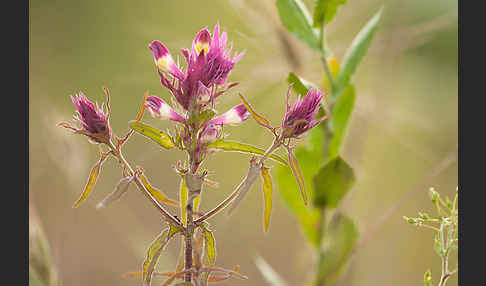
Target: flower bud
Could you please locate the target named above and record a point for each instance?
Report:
(234, 116)
(93, 119)
(202, 41)
(160, 109)
(164, 60)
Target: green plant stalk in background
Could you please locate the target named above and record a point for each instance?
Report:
(332, 233)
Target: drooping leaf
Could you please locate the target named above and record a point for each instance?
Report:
(209, 248)
(154, 251)
(356, 52)
(120, 189)
(156, 193)
(93, 177)
(234, 146)
(339, 240)
(297, 20)
(332, 182)
(270, 275)
(258, 118)
(326, 9)
(341, 113)
(267, 196)
(160, 137)
(297, 172)
(300, 85)
(183, 196)
(310, 156)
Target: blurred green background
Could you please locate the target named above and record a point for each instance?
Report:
(403, 129)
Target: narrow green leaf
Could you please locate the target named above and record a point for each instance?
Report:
(120, 189)
(267, 196)
(270, 275)
(332, 182)
(93, 177)
(356, 52)
(300, 85)
(160, 137)
(341, 114)
(340, 238)
(156, 193)
(258, 118)
(210, 248)
(296, 19)
(310, 156)
(234, 146)
(297, 172)
(326, 9)
(154, 251)
(183, 196)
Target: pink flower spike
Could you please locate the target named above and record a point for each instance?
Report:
(234, 116)
(300, 115)
(164, 60)
(160, 109)
(92, 119)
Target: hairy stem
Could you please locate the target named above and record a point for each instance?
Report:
(141, 187)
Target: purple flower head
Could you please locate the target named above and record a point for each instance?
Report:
(209, 63)
(92, 119)
(160, 109)
(234, 116)
(300, 116)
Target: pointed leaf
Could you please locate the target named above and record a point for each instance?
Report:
(341, 113)
(154, 251)
(120, 189)
(267, 196)
(326, 10)
(272, 277)
(161, 138)
(339, 241)
(300, 85)
(210, 248)
(234, 146)
(93, 177)
(183, 196)
(310, 156)
(333, 181)
(142, 108)
(296, 19)
(356, 52)
(156, 193)
(258, 118)
(297, 172)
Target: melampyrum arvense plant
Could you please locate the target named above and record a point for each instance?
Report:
(198, 132)
(445, 227)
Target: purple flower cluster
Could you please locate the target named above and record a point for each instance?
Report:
(300, 116)
(93, 119)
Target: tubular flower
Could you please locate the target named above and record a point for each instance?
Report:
(93, 120)
(210, 133)
(208, 65)
(300, 116)
(234, 116)
(160, 109)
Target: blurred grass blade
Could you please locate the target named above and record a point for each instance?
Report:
(300, 85)
(341, 113)
(333, 182)
(341, 236)
(154, 251)
(120, 189)
(161, 138)
(297, 172)
(356, 52)
(258, 118)
(183, 196)
(156, 193)
(93, 177)
(272, 277)
(296, 19)
(326, 10)
(234, 146)
(267, 195)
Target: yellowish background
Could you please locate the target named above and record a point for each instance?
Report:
(403, 126)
